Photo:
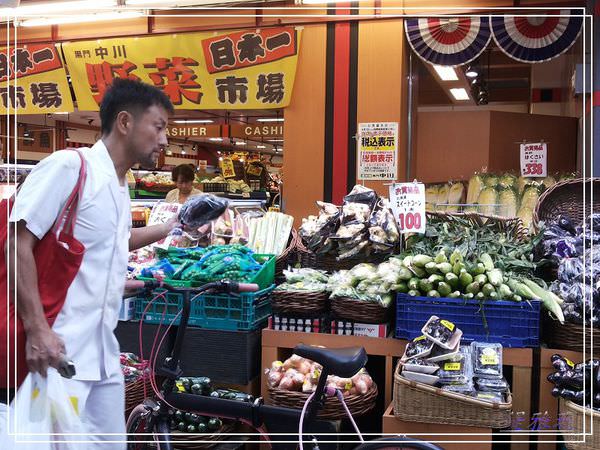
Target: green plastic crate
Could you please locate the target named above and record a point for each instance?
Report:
(174, 283)
(244, 311)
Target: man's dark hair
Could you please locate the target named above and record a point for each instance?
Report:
(186, 171)
(131, 96)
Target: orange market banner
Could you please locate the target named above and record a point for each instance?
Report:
(33, 80)
(241, 70)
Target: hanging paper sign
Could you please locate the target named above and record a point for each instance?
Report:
(255, 170)
(227, 168)
(534, 159)
(378, 151)
(408, 205)
(535, 39)
(448, 41)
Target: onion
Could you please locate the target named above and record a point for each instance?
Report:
(304, 367)
(286, 384)
(307, 386)
(274, 378)
(291, 373)
(277, 365)
(361, 387)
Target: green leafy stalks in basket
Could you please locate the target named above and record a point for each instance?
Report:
(305, 279)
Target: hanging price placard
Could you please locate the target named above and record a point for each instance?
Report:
(408, 205)
(534, 159)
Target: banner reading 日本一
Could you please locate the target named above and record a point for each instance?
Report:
(241, 70)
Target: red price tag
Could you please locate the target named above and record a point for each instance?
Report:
(409, 221)
(533, 169)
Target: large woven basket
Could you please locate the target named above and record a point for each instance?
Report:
(329, 263)
(185, 440)
(360, 310)
(333, 409)
(288, 257)
(511, 226)
(572, 421)
(299, 302)
(566, 199)
(568, 336)
(417, 402)
(134, 393)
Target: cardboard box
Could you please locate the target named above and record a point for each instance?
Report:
(347, 328)
(127, 311)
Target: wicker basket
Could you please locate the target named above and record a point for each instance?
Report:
(511, 226)
(288, 257)
(417, 402)
(329, 263)
(184, 440)
(333, 409)
(299, 302)
(568, 336)
(134, 393)
(566, 199)
(360, 310)
(576, 415)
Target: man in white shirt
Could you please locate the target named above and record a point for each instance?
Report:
(134, 118)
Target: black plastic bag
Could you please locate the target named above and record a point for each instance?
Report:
(595, 219)
(361, 194)
(201, 209)
(570, 270)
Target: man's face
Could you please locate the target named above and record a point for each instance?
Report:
(148, 137)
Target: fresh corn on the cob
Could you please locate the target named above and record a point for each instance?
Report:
(507, 180)
(431, 197)
(455, 195)
(526, 215)
(509, 203)
(475, 187)
(491, 180)
(530, 197)
(442, 199)
(488, 199)
(522, 183)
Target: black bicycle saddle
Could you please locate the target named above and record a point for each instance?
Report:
(343, 362)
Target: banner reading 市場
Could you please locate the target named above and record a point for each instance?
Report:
(241, 70)
(33, 80)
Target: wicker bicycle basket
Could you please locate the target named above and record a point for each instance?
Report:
(299, 302)
(186, 440)
(418, 402)
(360, 310)
(566, 199)
(571, 423)
(333, 409)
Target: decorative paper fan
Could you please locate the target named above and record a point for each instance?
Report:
(448, 41)
(537, 39)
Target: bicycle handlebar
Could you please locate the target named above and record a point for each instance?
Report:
(221, 286)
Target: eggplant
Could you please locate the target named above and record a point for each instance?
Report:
(565, 223)
(560, 363)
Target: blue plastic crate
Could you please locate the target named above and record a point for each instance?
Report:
(240, 312)
(513, 324)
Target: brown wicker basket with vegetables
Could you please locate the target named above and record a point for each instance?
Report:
(573, 426)
(360, 310)
(299, 302)
(288, 257)
(418, 402)
(182, 440)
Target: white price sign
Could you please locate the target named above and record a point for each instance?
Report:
(408, 205)
(534, 159)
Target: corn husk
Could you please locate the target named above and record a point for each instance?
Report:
(491, 180)
(509, 202)
(475, 186)
(455, 196)
(431, 197)
(507, 180)
(522, 183)
(488, 199)
(526, 215)
(530, 197)
(442, 199)
(549, 181)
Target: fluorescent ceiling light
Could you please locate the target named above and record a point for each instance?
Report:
(459, 93)
(240, 143)
(194, 121)
(269, 119)
(59, 7)
(261, 146)
(446, 73)
(103, 16)
(321, 2)
(275, 140)
(215, 139)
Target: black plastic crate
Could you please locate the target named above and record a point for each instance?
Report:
(128, 336)
(231, 357)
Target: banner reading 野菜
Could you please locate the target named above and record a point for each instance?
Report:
(33, 80)
(241, 70)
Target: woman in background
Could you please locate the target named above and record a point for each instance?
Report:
(183, 177)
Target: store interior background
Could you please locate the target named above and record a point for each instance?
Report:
(354, 69)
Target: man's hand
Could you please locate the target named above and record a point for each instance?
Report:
(44, 348)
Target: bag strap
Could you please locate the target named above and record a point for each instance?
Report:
(68, 215)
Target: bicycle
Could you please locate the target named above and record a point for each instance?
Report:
(152, 417)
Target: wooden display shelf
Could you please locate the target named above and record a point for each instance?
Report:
(275, 343)
(418, 430)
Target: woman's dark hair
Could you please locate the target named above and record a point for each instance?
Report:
(132, 96)
(186, 171)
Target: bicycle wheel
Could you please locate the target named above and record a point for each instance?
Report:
(397, 443)
(140, 421)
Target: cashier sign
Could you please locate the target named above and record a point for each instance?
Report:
(534, 159)
(408, 205)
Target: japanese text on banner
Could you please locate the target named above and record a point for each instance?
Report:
(242, 70)
(534, 159)
(408, 205)
(377, 151)
(41, 82)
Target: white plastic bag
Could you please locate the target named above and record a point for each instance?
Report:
(42, 409)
